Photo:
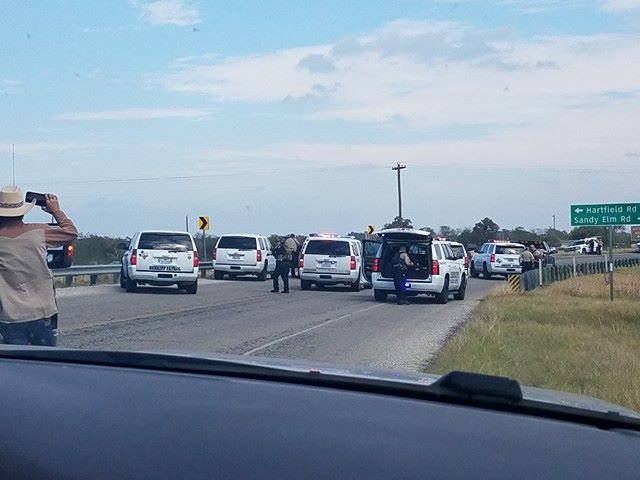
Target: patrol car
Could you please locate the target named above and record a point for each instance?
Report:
(436, 273)
(497, 258)
(330, 260)
(243, 254)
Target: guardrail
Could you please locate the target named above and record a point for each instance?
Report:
(547, 275)
(95, 271)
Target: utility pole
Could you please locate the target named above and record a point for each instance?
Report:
(554, 221)
(398, 168)
(186, 223)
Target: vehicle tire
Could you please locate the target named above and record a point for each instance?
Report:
(443, 297)
(305, 285)
(355, 286)
(123, 283)
(462, 290)
(262, 276)
(218, 275)
(485, 272)
(473, 272)
(131, 285)
(192, 288)
(379, 295)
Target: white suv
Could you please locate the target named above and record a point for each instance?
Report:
(243, 254)
(160, 258)
(436, 270)
(330, 260)
(461, 255)
(497, 258)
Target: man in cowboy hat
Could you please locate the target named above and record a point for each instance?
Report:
(27, 298)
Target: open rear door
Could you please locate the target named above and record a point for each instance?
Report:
(370, 246)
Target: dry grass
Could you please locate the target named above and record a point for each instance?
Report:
(568, 337)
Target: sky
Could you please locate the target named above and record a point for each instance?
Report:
(287, 116)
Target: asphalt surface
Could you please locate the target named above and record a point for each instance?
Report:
(242, 317)
(567, 259)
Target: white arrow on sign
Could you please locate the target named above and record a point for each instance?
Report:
(578, 210)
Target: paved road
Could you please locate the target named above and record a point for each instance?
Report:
(242, 317)
(567, 259)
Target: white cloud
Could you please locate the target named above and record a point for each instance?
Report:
(168, 12)
(621, 5)
(135, 114)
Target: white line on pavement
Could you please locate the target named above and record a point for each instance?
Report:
(301, 332)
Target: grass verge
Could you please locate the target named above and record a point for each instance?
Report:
(567, 336)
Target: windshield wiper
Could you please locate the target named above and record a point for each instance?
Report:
(459, 388)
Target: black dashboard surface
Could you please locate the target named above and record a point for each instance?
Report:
(96, 422)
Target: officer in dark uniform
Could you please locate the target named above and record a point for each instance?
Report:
(283, 265)
(400, 262)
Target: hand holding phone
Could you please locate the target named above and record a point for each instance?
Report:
(40, 198)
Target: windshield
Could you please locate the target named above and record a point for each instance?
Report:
(165, 241)
(327, 247)
(282, 180)
(240, 243)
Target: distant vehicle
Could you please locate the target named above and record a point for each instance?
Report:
(638, 247)
(437, 273)
(61, 257)
(497, 258)
(160, 258)
(580, 246)
(243, 254)
(331, 260)
(461, 255)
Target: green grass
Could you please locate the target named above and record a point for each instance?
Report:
(567, 336)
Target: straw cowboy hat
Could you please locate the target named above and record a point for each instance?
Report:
(12, 202)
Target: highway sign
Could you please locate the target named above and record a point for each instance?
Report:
(203, 223)
(605, 214)
(371, 229)
(635, 233)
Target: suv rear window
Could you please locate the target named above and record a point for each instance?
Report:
(458, 250)
(509, 250)
(239, 243)
(327, 247)
(165, 241)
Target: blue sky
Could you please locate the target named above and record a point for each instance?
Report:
(286, 116)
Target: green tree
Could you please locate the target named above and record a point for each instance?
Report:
(400, 222)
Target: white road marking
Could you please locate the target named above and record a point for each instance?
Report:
(306, 330)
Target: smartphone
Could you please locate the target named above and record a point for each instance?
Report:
(40, 199)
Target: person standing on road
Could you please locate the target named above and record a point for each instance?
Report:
(400, 264)
(538, 255)
(283, 265)
(527, 258)
(28, 307)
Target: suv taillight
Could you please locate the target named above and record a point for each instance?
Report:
(215, 254)
(134, 257)
(301, 262)
(352, 264)
(376, 265)
(258, 255)
(493, 258)
(196, 259)
(70, 250)
(435, 267)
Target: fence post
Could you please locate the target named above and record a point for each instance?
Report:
(575, 273)
(68, 281)
(540, 271)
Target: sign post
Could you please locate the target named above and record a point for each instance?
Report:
(203, 226)
(606, 215)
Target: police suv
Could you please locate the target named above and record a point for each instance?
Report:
(497, 258)
(330, 260)
(437, 271)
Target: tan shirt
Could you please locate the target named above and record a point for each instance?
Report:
(406, 259)
(26, 283)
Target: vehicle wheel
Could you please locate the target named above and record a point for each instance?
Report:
(218, 275)
(192, 288)
(379, 295)
(355, 286)
(123, 283)
(462, 291)
(131, 285)
(443, 296)
(474, 274)
(485, 272)
(262, 276)
(305, 284)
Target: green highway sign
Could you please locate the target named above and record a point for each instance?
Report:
(605, 214)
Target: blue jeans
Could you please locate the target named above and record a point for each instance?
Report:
(36, 332)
